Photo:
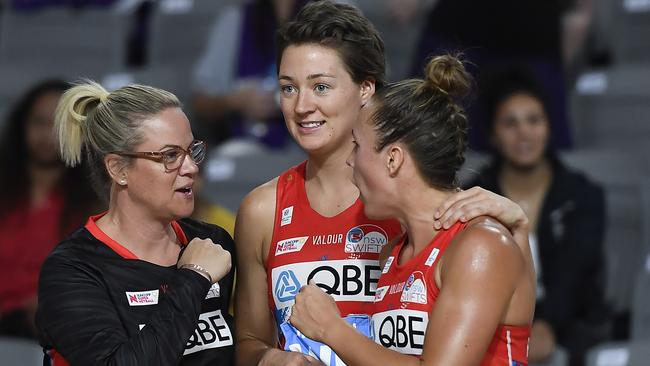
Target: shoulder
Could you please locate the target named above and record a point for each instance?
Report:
(487, 245)
(80, 254)
(260, 202)
(81, 245)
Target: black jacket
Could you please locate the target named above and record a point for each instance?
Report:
(97, 307)
(570, 239)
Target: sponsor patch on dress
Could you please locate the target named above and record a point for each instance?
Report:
(290, 245)
(287, 216)
(142, 298)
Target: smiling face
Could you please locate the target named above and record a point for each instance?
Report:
(521, 130)
(164, 194)
(318, 97)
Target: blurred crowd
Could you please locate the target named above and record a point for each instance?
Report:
(526, 57)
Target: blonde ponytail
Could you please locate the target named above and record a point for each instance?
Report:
(72, 115)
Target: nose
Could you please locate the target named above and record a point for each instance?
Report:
(189, 166)
(304, 103)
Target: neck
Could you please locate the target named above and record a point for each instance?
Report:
(522, 179)
(415, 212)
(147, 237)
(330, 172)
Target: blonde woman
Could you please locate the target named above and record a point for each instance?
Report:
(139, 283)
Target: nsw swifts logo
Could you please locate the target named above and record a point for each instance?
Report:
(415, 289)
(366, 238)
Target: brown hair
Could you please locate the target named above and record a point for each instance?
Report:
(342, 28)
(426, 116)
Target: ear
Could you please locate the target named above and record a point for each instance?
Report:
(114, 165)
(367, 90)
(395, 155)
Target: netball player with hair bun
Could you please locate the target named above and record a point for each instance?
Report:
(309, 222)
(458, 296)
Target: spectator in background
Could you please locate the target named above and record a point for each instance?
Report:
(513, 32)
(566, 212)
(235, 81)
(41, 201)
(207, 210)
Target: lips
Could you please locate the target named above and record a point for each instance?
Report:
(186, 189)
(311, 124)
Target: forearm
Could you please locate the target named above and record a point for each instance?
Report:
(94, 333)
(253, 352)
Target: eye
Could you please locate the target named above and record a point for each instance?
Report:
(321, 88)
(287, 89)
(171, 155)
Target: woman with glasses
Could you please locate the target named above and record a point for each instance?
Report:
(139, 283)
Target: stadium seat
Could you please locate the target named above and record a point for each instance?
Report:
(630, 30)
(60, 39)
(164, 77)
(611, 108)
(179, 31)
(230, 178)
(635, 353)
(17, 351)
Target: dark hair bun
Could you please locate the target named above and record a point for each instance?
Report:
(447, 74)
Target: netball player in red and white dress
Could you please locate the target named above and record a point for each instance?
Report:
(458, 296)
(309, 222)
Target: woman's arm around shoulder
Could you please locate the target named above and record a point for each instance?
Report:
(485, 280)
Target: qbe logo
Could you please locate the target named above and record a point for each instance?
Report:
(345, 280)
(415, 289)
(401, 330)
(286, 286)
(366, 238)
(212, 331)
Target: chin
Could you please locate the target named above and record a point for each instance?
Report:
(183, 212)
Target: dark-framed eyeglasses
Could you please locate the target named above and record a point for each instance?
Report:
(171, 157)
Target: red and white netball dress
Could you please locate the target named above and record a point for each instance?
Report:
(406, 296)
(340, 253)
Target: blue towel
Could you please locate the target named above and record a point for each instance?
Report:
(297, 342)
